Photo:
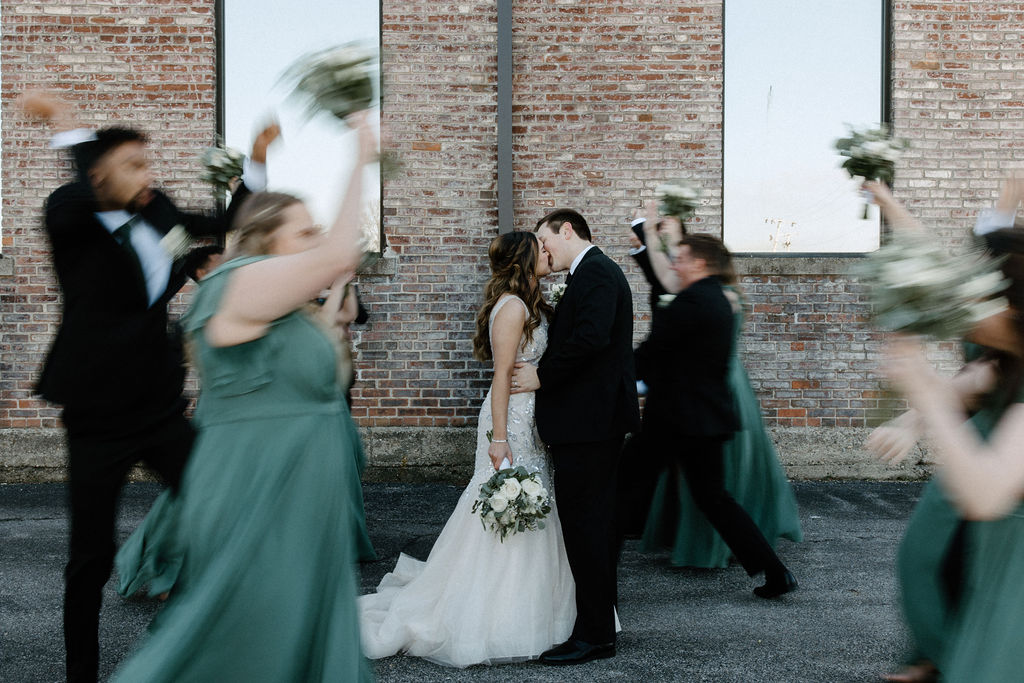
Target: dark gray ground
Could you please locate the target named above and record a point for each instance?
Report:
(678, 625)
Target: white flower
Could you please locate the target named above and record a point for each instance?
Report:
(666, 299)
(532, 487)
(557, 291)
(511, 488)
(498, 502)
(176, 242)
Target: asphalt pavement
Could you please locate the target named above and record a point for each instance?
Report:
(842, 624)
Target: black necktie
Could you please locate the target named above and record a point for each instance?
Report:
(123, 236)
(568, 277)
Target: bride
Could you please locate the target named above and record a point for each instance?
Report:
(477, 599)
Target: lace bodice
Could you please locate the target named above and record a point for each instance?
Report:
(527, 448)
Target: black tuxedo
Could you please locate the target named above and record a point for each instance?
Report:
(119, 376)
(690, 412)
(588, 383)
(685, 363)
(585, 405)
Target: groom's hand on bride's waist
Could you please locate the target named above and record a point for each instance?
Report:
(524, 378)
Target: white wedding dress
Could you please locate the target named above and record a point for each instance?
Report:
(478, 600)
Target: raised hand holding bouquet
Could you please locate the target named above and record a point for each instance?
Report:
(918, 288)
(221, 165)
(871, 154)
(512, 501)
(678, 199)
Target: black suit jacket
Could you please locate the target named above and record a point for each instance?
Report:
(685, 364)
(588, 384)
(112, 360)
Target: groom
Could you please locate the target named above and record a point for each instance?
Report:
(586, 403)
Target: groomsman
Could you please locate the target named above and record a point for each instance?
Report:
(689, 412)
(113, 367)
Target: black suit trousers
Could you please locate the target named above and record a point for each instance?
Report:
(700, 463)
(97, 466)
(585, 493)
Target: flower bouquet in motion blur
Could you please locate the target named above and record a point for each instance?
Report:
(871, 154)
(339, 81)
(512, 501)
(678, 199)
(221, 165)
(916, 287)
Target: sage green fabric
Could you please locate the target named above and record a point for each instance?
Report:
(266, 522)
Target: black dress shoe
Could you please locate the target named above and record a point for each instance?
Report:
(776, 586)
(575, 651)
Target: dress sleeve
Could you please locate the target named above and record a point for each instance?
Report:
(230, 370)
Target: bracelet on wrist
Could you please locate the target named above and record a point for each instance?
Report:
(499, 440)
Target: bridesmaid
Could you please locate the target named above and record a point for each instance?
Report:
(267, 521)
(753, 474)
(982, 475)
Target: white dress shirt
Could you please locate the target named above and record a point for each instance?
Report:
(579, 257)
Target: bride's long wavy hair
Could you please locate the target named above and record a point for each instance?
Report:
(513, 271)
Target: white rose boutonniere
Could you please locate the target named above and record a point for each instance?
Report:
(176, 242)
(665, 299)
(556, 292)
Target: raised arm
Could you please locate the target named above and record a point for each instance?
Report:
(262, 292)
(892, 210)
(893, 441)
(661, 263)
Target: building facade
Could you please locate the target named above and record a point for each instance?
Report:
(608, 100)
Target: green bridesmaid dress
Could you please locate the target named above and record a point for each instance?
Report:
(980, 638)
(265, 525)
(753, 475)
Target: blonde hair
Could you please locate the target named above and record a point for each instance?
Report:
(256, 221)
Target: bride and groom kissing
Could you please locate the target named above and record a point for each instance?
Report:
(562, 399)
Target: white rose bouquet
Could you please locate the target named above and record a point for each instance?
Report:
(678, 199)
(871, 154)
(918, 288)
(512, 501)
(221, 164)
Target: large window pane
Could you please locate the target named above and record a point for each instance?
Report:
(261, 39)
(795, 73)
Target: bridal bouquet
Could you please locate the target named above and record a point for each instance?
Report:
(221, 165)
(918, 288)
(678, 199)
(871, 154)
(512, 501)
(338, 80)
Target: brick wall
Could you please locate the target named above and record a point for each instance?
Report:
(609, 99)
(144, 64)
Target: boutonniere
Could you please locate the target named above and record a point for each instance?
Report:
(556, 293)
(176, 242)
(665, 299)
